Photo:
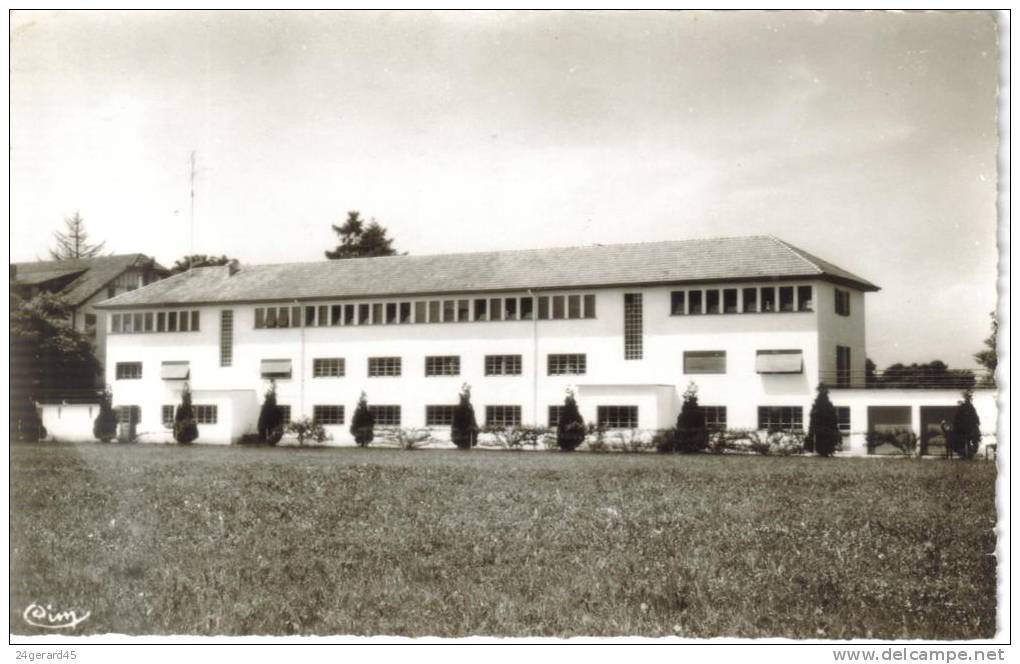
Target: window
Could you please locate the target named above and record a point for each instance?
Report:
(442, 365)
(573, 306)
(421, 312)
(326, 415)
(842, 366)
(226, 338)
(715, 417)
(633, 335)
(554, 416)
(463, 311)
(205, 414)
(139, 324)
(283, 317)
(364, 312)
(502, 365)
(843, 418)
(349, 317)
(111, 291)
(528, 308)
(804, 299)
(568, 364)
(90, 324)
(510, 308)
(558, 307)
(780, 418)
(391, 313)
(842, 302)
(618, 417)
(377, 313)
(161, 322)
(496, 307)
(328, 367)
(129, 370)
(502, 416)
(779, 362)
(434, 311)
(260, 320)
(275, 369)
(309, 316)
(704, 362)
(589, 306)
(148, 321)
(175, 371)
(439, 416)
(167, 415)
(129, 414)
(543, 307)
(323, 318)
(729, 296)
(481, 309)
(694, 302)
(768, 299)
(116, 324)
(182, 322)
(383, 366)
(284, 414)
(385, 416)
(405, 312)
(194, 321)
(750, 300)
(712, 301)
(677, 303)
(786, 298)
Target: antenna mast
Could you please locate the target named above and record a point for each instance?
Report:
(191, 252)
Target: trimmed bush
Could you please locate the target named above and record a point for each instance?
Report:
(270, 426)
(570, 428)
(904, 440)
(407, 438)
(363, 423)
(185, 427)
(105, 426)
(464, 430)
(307, 429)
(823, 437)
(965, 436)
(691, 432)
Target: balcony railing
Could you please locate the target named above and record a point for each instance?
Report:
(909, 378)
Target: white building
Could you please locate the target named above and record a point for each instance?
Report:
(755, 322)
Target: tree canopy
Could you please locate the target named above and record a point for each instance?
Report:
(931, 374)
(48, 355)
(989, 357)
(73, 242)
(198, 260)
(361, 240)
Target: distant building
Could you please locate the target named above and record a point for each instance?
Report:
(83, 283)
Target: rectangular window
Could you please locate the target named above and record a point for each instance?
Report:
(129, 370)
(780, 418)
(295, 316)
(182, 321)
(618, 417)
(161, 321)
(323, 318)
(496, 307)
(167, 415)
(768, 299)
(326, 415)
(405, 312)
(805, 301)
(510, 308)
(779, 361)
(139, 323)
(421, 312)
(704, 362)
(842, 366)
(116, 323)
(527, 308)
(385, 416)
(567, 364)
(694, 302)
(205, 414)
(559, 307)
(543, 307)
(284, 414)
(449, 311)
(328, 367)
(276, 369)
(434, 311)
(843, 418)
(283, 317)
(377, 313)
(349, 314)
(463, 311)
(260, 319)
(750, 300)
(502, 365)
(712, 301)
(194, 321)
(573, 306)
(148, 321)
(729, 297)
(128, 328)
(481, 309)
(383, 366)
(309, 316)
(226, 338)
(786, 298)
(439, 416)
(842, 302)
(364, 313)
(677, 303)
(442, 365)
(502, 416)
(391, 313)
(271, 317)
(589, 306)
(129, 414)
(633, 328)
(715, 417)
(554, 416)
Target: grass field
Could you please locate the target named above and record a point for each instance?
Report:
(207, 540)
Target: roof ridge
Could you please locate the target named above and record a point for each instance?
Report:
(796, 251)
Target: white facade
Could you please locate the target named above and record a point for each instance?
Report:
(653, 383)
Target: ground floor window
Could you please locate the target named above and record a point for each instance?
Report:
(780, 418)
(129, 414)
(205, 414)
(618, 417)
(168, 415)
(439, 416)
(554, 416)
(328, 414)
(715, 417)
(385, 416)
(503, 416)
(843, 417)
(284, 414)
(129, 370)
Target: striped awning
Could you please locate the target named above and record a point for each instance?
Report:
(175, 371)
(780, 362)
(276, 368)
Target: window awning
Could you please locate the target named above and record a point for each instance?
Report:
(175, 371)
(276, 368)
(780, 362)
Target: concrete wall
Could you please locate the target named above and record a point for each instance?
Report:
(69, 422)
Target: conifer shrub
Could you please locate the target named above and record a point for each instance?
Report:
(270, 425)
(965, 435)
(363, 423)
(823, 437)
(185, 426)
(691, 432)
(105, 426)
(570, 430)
(464, 429)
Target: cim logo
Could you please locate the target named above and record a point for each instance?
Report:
(47, 618)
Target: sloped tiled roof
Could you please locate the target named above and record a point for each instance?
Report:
(712, 260)
(93, 273)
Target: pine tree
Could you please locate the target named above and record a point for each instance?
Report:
(105, 426)
(270, 425)
(198, 260)
(185, 427)
(464, 430)
(823, 435)
(965, 435)
(989, 357)
(360, 241)
(570, 428)
(73, 243)
(691, 432)
(362, 423)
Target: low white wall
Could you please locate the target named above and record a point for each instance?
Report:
(69, 422)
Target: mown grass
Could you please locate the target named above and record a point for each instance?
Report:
(205, 540)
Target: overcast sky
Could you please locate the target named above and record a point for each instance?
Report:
(869, 139)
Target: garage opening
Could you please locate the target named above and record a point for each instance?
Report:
(889, 429)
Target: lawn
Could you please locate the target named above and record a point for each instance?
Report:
(205, 540)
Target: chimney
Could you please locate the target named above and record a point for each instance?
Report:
(233, 266)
